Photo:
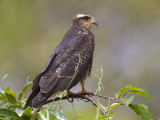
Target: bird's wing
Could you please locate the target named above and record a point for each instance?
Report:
(61, 68)
(51, 59)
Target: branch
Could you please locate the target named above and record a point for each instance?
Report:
(86, 97)
(95, 104)
(106, 97)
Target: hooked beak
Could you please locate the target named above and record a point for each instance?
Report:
(95, 23)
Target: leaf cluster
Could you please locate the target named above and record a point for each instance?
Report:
(121, 99)
(12, 107)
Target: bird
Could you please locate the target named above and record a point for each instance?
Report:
(69, 64)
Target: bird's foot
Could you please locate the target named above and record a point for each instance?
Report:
(89, 93)
(70, 93)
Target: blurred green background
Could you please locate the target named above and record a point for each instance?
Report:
(127, 46)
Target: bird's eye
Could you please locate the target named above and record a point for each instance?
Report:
(86, 18)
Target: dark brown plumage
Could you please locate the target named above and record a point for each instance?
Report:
(76, 48)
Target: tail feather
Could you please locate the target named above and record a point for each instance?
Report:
(31, 97)
(37, 99)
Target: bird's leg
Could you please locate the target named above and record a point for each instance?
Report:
(69, 93)
(85, 91)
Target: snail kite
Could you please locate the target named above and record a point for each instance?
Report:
(74, 51)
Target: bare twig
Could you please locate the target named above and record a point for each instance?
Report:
(106, 97)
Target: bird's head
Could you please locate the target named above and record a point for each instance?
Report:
(84, 20)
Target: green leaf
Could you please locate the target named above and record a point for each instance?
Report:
(27, 118)
(19, 111)
(141, 92)
(32, 118)
(2, 98)
(58, 114)
(135, 108)
(10, 95)
(127, 101)
(113, 105)
(10, 98)
(7, 113)
(24, 112)
(110, 114)
(116, 94)
(142, 110)
(7, 89)
(13, 106)
(24, 90)
(124, 101)
(143, 106)
(46, 115)
(145, 114)
(130, 100)
(125, 88)
(27, 111)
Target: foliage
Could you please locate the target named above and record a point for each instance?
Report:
(12, 105)
(121, 99)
